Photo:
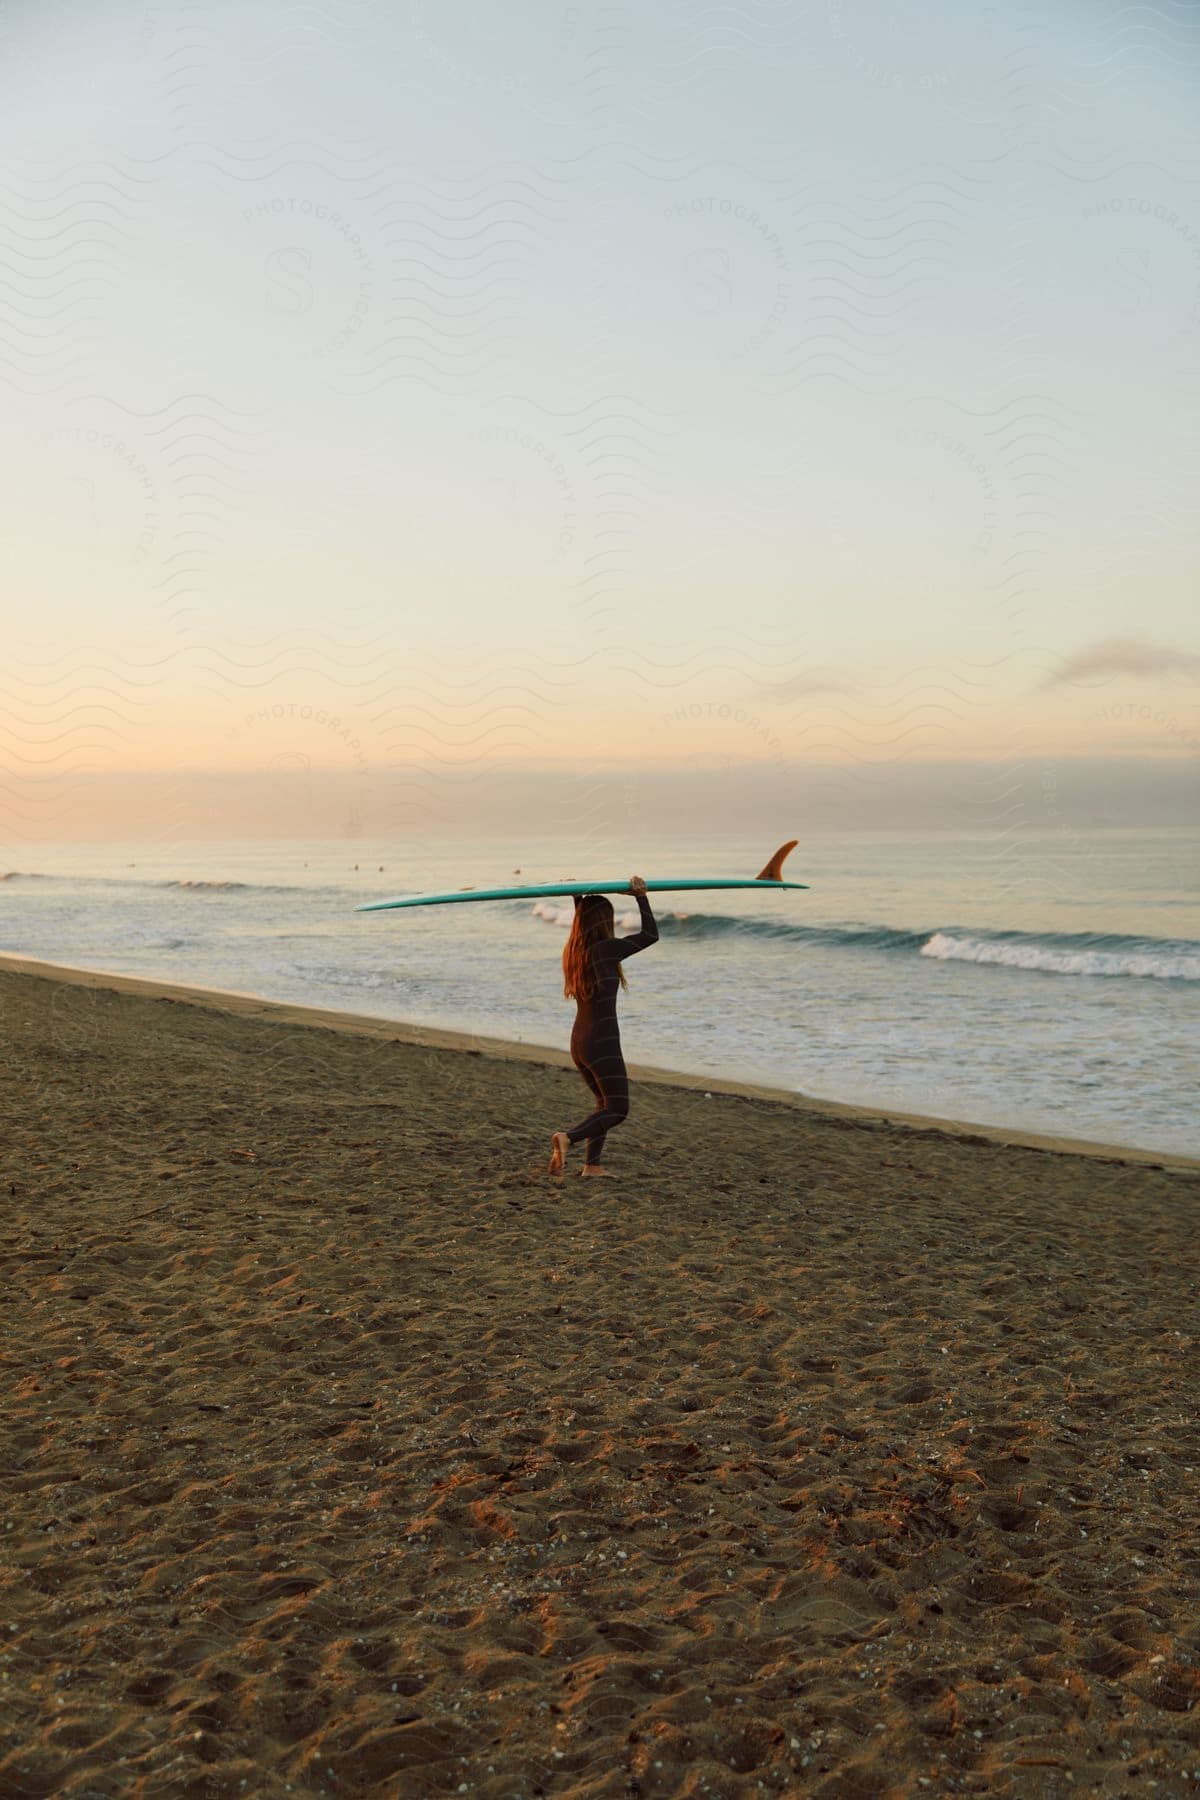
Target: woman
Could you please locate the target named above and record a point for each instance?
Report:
(591, 974)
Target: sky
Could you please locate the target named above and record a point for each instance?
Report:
(433, 405)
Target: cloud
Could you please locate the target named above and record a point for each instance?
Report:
(1124, 656)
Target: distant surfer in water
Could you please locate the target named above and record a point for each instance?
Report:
(592, 973)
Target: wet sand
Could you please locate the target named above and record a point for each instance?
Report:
(346, 1452)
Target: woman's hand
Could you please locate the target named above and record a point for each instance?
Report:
(636, 885)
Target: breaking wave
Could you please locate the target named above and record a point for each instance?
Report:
(1047, 953)
(1144, 958)
(214, 887)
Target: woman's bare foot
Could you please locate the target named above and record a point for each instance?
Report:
(594, 1169)
(560, 1143)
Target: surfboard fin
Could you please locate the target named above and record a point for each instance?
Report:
(774, 868)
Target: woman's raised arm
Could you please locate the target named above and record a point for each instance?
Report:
(639, 940)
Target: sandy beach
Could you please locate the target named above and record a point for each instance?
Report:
(346, 1452)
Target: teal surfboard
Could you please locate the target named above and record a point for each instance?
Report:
(771, 877)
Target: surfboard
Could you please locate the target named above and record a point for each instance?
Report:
(770, 877)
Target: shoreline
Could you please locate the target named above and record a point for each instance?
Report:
(866, 1117)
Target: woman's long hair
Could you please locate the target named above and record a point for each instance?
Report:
(592, 923)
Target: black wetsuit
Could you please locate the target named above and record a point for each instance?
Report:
(596, 1037)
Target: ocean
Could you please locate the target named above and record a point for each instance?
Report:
(1049, 982)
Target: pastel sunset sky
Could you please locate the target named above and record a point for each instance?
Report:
(451, 393)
